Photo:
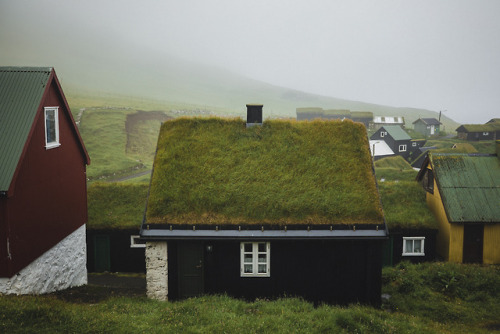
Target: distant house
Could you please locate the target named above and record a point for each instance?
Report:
(463, 191)
(474, 132)
(115, 213)
(43, 198)
(264, 211)
(396, 139)
(412, 226)
(427, 126)
(311, 113)
(380, 121)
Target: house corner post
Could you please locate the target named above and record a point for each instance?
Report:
(157, 270)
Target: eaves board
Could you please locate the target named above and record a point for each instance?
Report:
(21, 91)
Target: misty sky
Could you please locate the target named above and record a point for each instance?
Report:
(432, 54)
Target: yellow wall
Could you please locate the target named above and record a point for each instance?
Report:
(456, 243)
(443, 236)
(491, 250)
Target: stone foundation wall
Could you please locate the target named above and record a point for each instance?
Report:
(157, 270)
(63, 266)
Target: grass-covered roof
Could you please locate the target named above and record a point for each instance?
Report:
(116, 205)
(405, 205)
(217, 171)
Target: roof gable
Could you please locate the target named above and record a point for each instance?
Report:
(396, 132)
(22, 90)
(217, 171)
(469, 185)
(428, 121)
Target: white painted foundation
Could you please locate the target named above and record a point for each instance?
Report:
(63, 266)
(157, 270)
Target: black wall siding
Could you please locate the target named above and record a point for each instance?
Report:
(332, 271)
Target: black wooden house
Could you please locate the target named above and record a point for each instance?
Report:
(286, 208)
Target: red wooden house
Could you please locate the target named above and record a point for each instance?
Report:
(43, 200)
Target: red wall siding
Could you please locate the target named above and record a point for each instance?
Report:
(49, 200)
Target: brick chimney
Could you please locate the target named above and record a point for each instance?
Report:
(254, 114)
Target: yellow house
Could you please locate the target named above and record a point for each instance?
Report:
(463, 192)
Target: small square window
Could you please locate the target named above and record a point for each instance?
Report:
(255, 259)
(413, 246)
(402, 148)
(485, 133)
(51, 127)
(414, 144)
(382, 133)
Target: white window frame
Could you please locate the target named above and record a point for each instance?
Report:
(414, 144)
(413, 253)
(486, 133)
(250, 259)
(382, 133)
(134, 242)
(54, 143)
(402, 148)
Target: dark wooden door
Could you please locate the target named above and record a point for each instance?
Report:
(473, 243)
(190, 260)
(102, 257)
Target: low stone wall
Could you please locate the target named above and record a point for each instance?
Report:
(157, 270)
(63, 266)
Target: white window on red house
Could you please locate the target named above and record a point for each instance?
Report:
(413, 246)
(51, 127)
(255, 259)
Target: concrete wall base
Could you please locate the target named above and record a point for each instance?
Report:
(63, 266)
(157, 270)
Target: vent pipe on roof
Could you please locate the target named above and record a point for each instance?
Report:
(254, 114)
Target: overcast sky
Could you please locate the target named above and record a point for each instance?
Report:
(432, 54)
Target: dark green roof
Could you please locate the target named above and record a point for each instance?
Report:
(469, 185)
(217, 171)
(21, 91)
(396, 132)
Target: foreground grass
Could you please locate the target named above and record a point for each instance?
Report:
(426, 298)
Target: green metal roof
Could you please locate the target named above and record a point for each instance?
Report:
(21, 91)
(469, 185)
(396, 132)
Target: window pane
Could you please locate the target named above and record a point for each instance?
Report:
(262, 268)
(409, 246)
(248, 268)
(248, 248)
(262, 258)
(417, 246)
(262, 247)
(50, 123)
(247, 258)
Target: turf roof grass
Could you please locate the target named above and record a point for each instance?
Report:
(405, 205)
(217, 171)
(116, 205)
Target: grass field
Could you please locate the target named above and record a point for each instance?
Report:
(425, 298)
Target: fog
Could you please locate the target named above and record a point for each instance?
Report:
(430, 54)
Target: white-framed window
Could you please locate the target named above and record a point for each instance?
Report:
(135, 242)
(414, 144)
(51, 127)
(402, 148)
(413, 246)
(255, 259)
(485, 133)
(382, 133)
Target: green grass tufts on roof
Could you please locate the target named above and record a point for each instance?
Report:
(116, 205)
(217, 171)
(405, 205)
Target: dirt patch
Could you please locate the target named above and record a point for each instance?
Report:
(104, 286)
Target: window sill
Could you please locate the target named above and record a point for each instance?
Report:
(413, 254)
(51, 146)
